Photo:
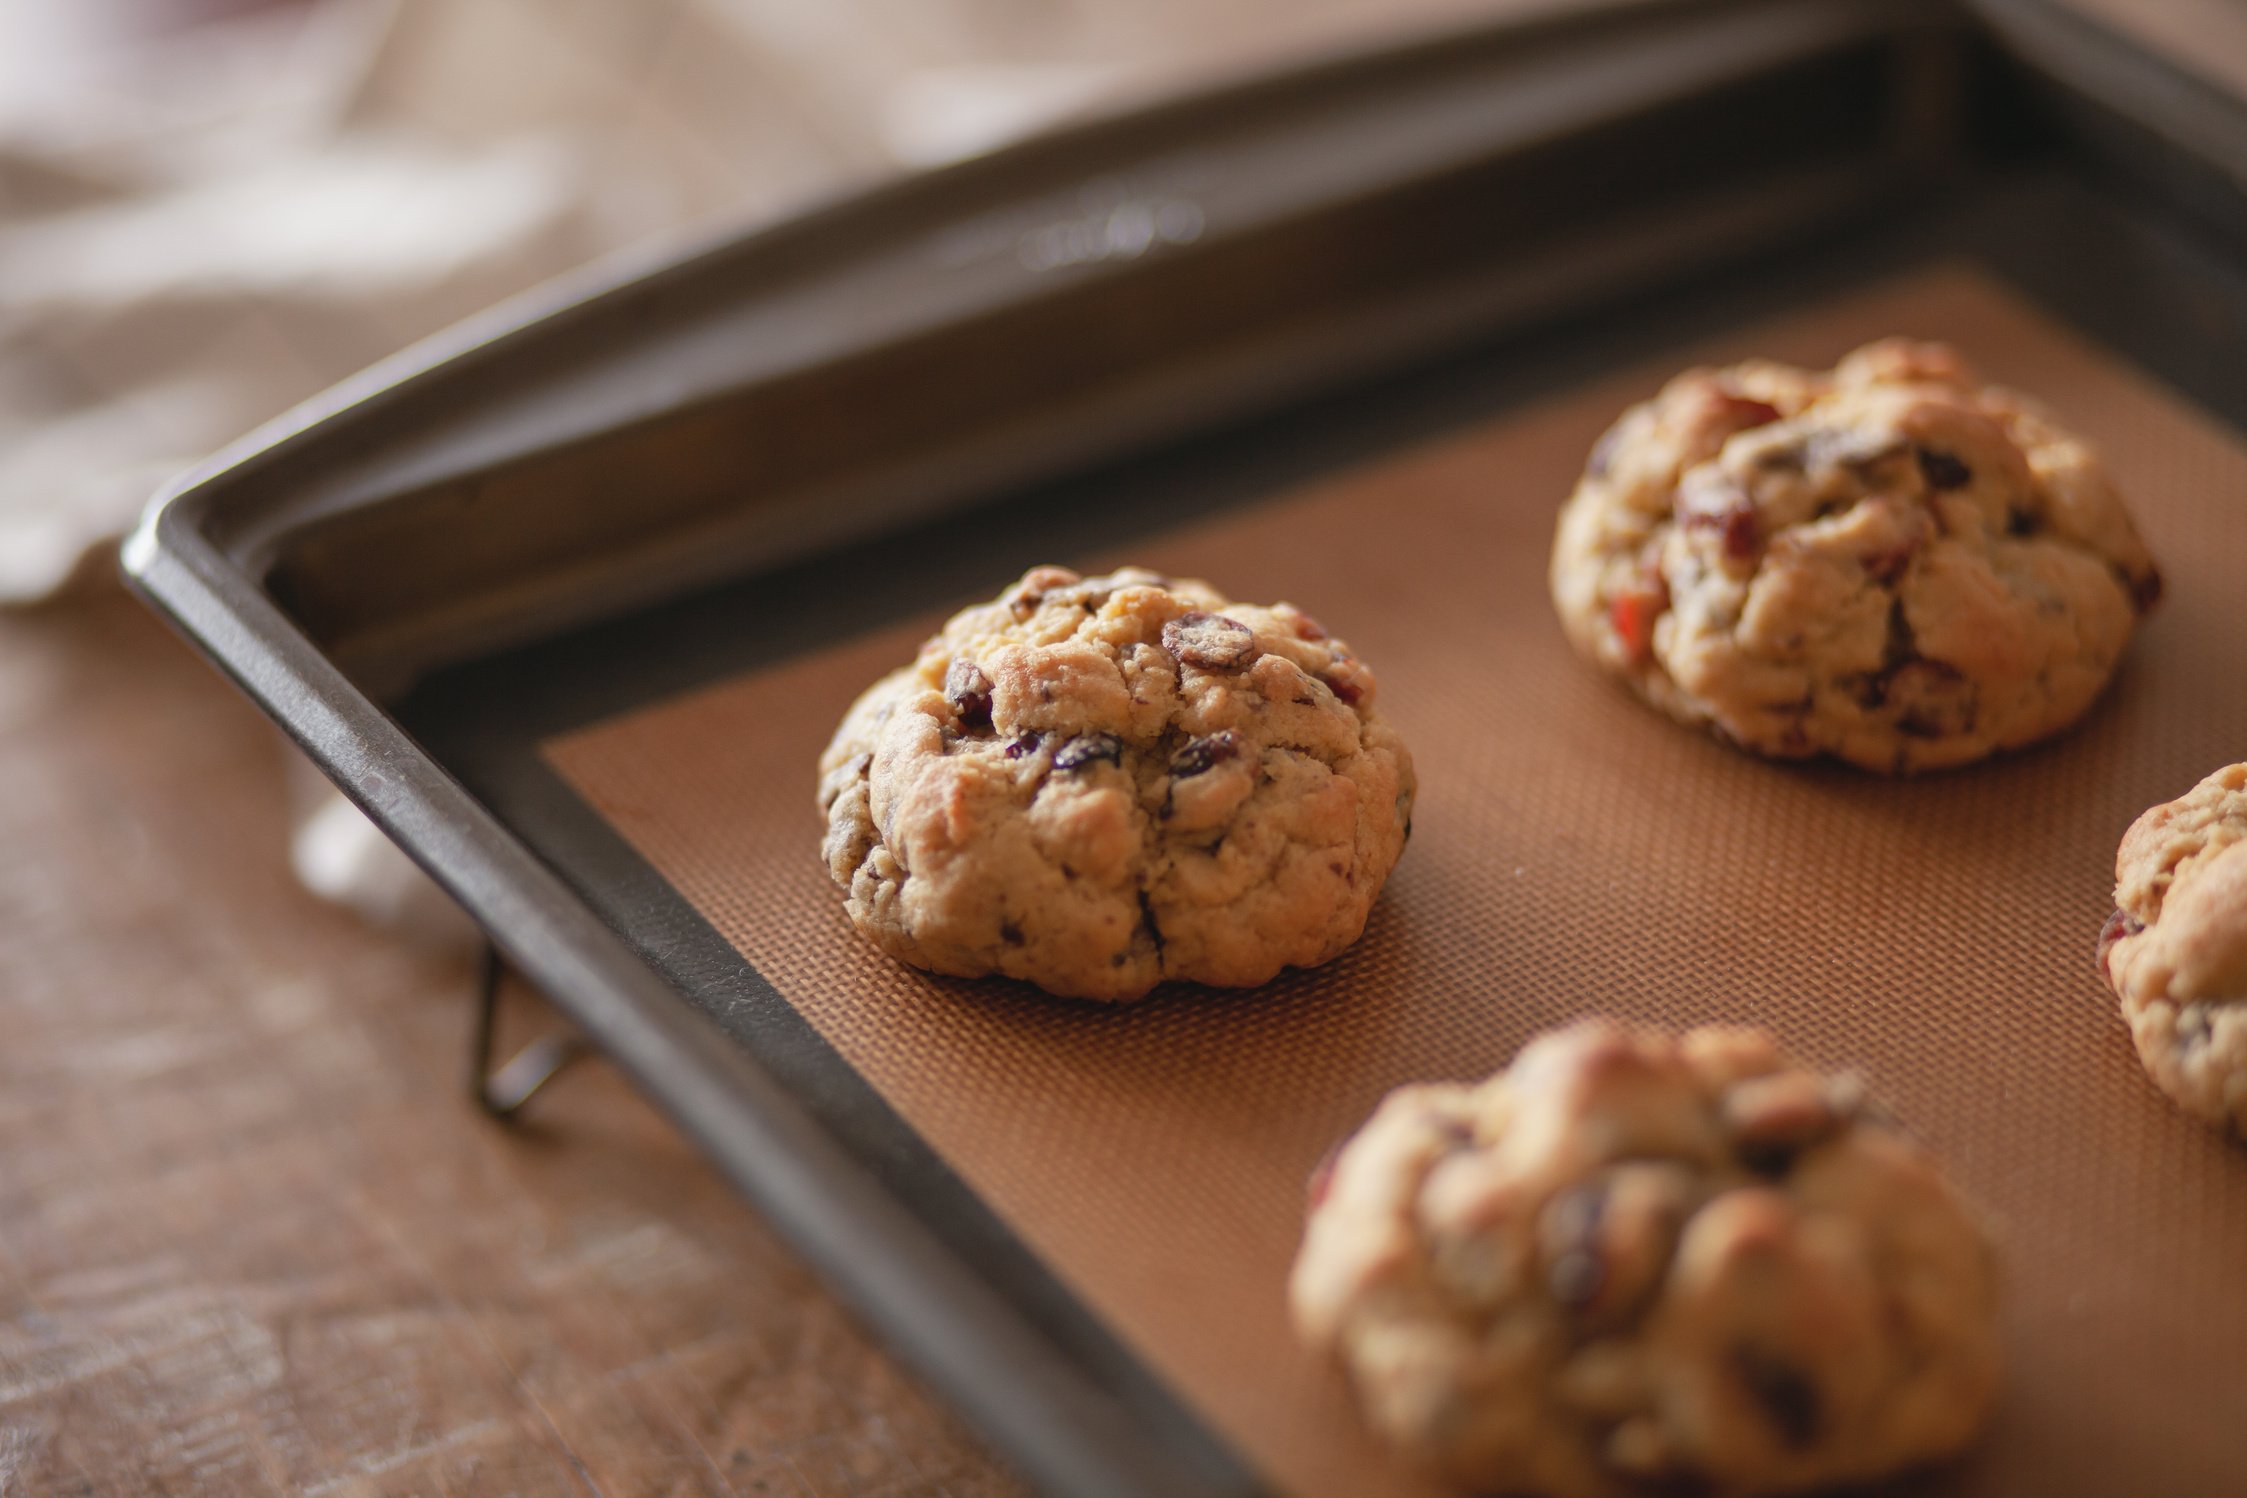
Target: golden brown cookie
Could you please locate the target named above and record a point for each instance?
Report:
(1097, 784)
(1889, 563)
(1636, 1263)
(2175, 949)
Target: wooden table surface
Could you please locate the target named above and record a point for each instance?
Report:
(253, 1236)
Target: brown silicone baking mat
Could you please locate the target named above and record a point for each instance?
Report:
(1574, 852)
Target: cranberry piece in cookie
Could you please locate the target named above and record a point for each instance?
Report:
(1204, 754)
(1633, 611)
(2117, 925)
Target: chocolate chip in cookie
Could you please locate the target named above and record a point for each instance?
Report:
(1943, 470)
(969, 692)
(1088, 749)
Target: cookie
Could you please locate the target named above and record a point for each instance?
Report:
(1096, 784)
(2175, 949)
(1888, 563)
(1635, 1263)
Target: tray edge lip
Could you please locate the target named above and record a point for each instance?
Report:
(583, 290)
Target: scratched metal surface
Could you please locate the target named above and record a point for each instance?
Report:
(252, 1237)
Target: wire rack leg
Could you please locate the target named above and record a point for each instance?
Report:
(502, 1091)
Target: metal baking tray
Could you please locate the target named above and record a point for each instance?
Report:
(623, 487)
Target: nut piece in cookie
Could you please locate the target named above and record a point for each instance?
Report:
(1639, 1262)
(2175, 949)
(1096, 784)
(1888, 562)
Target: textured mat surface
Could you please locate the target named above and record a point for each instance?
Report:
(1575, 852)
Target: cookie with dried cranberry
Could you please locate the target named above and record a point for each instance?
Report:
(1097, 784)
(2175, 949)
(1888, 563)
(1639, 1262)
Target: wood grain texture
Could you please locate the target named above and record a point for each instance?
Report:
(253, 1236)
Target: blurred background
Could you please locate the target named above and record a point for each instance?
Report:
(210, 209)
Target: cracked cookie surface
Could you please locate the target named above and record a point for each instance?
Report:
(1889, 563)
(2175, 949)
(1098, 784)
(1638, 1262)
